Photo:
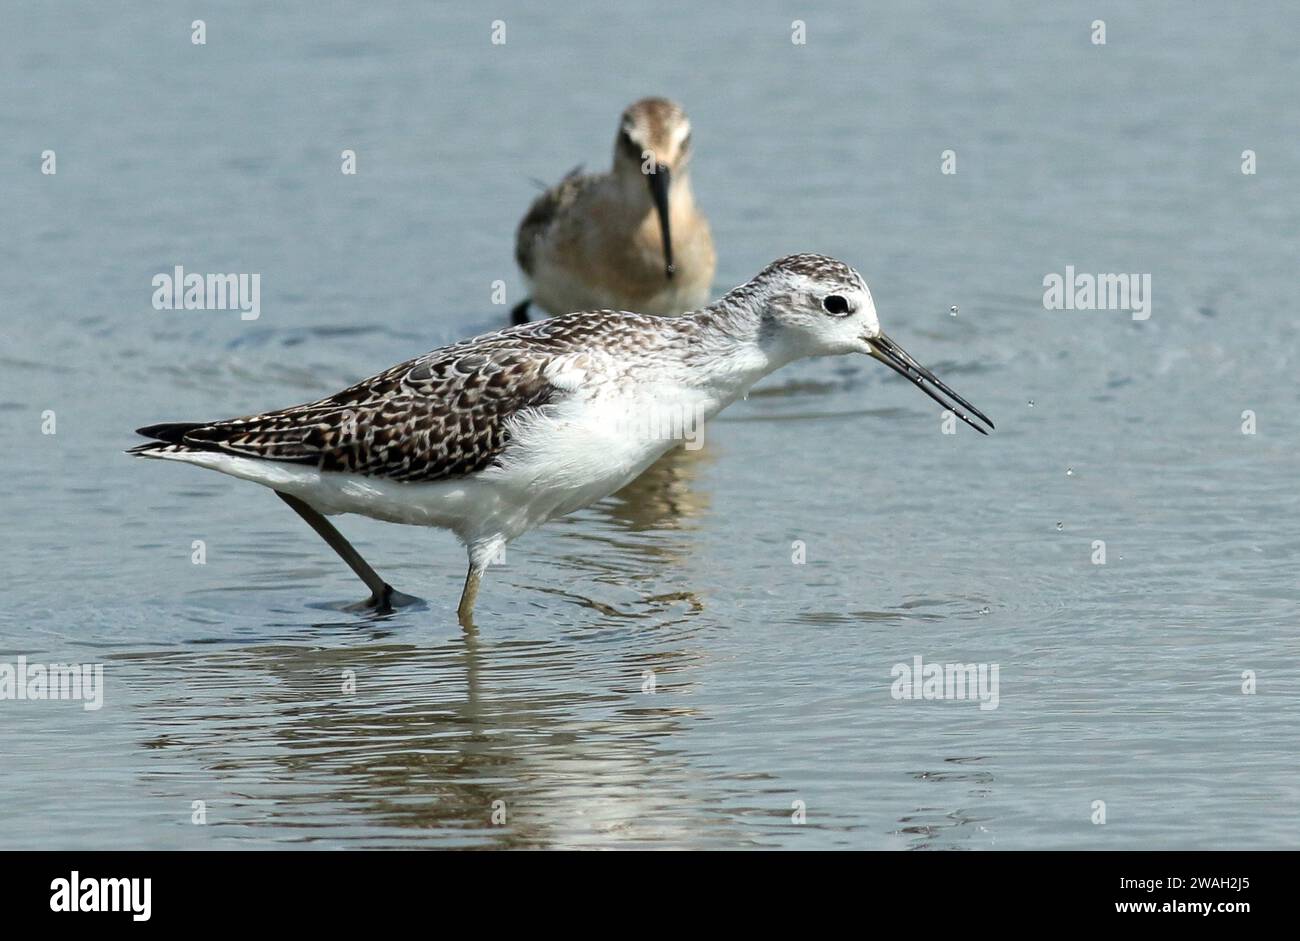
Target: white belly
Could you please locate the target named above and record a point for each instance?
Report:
(448, 504)
(584, 451)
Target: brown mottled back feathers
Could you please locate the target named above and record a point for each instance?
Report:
(442, 415)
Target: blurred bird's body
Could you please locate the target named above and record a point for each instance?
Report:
(630, 239)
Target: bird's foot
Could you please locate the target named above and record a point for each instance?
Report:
(384, 601)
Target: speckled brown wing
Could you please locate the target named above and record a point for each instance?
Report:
(542, 213)
(439, 416)
(442, 415)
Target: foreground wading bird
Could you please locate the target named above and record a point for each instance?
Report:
(493, 436)
(629, 239)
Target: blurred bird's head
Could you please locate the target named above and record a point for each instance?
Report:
(653, 149)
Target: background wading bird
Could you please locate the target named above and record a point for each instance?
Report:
(493, 436)
(630, 239)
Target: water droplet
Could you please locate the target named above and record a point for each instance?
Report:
(1060, 526)
(953, 310)
(1031, 403)
(1069, 472)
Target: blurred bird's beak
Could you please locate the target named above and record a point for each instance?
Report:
(659, 182)
(897, 359)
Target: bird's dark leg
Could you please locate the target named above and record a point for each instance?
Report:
(519, 313)
(382, 594)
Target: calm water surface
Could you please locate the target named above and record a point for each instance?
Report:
(225, 681)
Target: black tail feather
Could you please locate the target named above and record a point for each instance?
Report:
(171, 432)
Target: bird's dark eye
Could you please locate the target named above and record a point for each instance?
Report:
(836, 304)
(628, 146)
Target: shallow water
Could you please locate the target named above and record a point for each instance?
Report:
(1119, 682)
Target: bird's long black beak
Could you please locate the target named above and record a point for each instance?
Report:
(898, 359)
(659, 182)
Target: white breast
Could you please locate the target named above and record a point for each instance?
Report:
(586, 448)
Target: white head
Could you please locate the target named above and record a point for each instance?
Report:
(812, 305)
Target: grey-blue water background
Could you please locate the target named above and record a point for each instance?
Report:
(1119, 683)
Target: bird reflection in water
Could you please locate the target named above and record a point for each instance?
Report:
(645, 522)
(468, 742)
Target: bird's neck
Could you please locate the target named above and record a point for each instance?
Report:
(729, 348)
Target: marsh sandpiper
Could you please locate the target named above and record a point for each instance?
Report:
(493, 436)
